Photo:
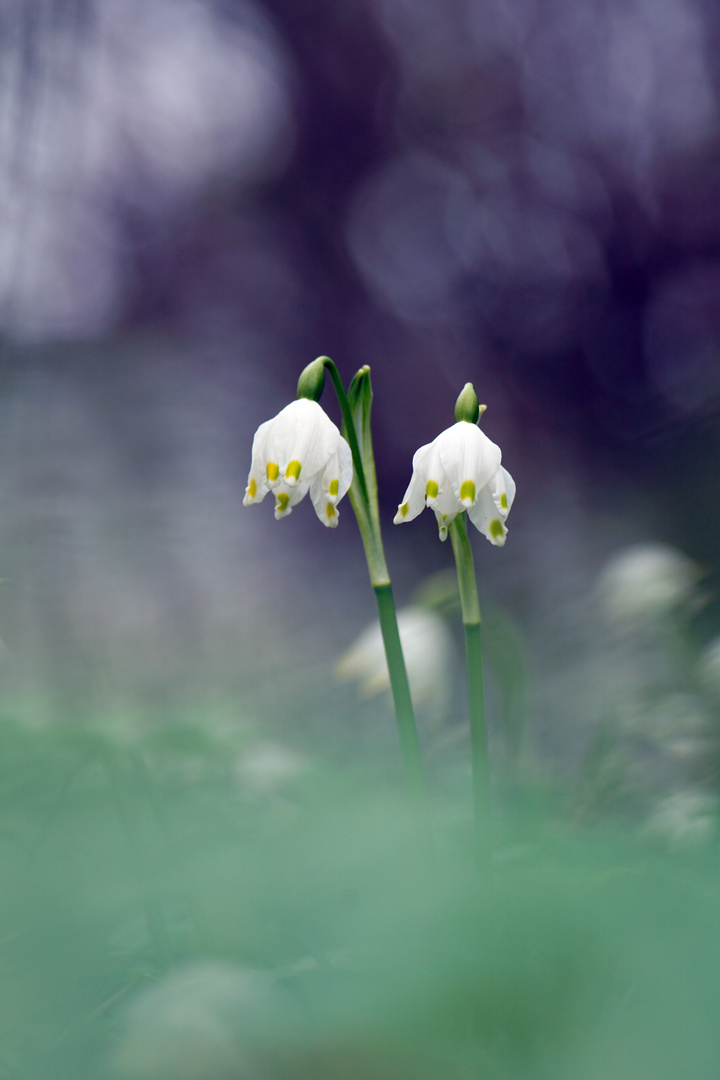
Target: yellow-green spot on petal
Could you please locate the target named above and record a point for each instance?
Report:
(252, 488)
(330, 510)
(503, 500)
(444, 517)
(272, 471)
(431, 490)
(282, 500)
(334, 487)
(404, 509)
(293, 470)
(467, 491)
(496, 529)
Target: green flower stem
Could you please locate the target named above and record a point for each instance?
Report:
(363, 498)
(407, 730)
(476, 693)
(372, 542)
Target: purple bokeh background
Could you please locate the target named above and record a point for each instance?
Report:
(199, 197)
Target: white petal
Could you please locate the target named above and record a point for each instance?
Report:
(486, 517)
(446, 508)
(502, 484)
(260, 440)
(303, 433)
(326, 511)
(336, 477)
(256, 488)
(414, 499)
(287, 496)
(468, 456)
(324, 503)
(256, 492)
(332, 484)
(437, 482)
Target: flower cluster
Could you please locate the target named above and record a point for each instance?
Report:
(299, 451)
(460, 470)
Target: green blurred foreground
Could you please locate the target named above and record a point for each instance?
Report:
(176, 912)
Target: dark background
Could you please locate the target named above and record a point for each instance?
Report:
(199, 197)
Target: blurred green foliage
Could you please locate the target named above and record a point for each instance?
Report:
(165, 915)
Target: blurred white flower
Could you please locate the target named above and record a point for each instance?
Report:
(460, 470)
(300, 450)
(660, 717)
(185, 1026)
(428, 650)
(695, 751)
(267, 766)
(647, 582)
(684, 818)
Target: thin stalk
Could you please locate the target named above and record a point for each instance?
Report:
(368, 519)
(404, 714)
(476, 691)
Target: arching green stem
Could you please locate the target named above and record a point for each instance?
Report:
(348, 425)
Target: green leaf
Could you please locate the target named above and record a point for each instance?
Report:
(360, 396)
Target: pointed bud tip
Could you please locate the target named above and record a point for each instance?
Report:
(312, 380)
(466, 406)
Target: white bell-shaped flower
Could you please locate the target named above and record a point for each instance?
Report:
(300, 450)
(460, 470)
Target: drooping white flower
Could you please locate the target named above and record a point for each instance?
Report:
(428, 649)
(460, 470)
(685, 818)
(300, 450)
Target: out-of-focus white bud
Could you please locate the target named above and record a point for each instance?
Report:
(674, 722)
(647, 582)
(269, 766)
(428, 650)
(672, 715)
(683, 819)
(190, 1024)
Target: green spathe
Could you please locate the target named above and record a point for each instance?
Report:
(312, 380)
(466, 406)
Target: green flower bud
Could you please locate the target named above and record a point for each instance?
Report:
(312, 380)
(466, 406)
